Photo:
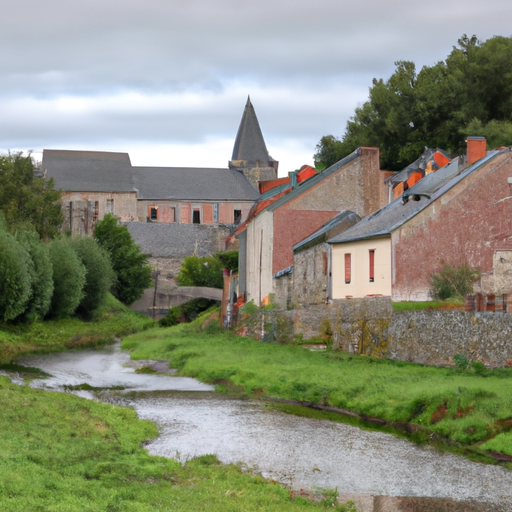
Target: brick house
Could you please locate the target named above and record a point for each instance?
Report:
(95, 183)
(279, 222)
(460, 214)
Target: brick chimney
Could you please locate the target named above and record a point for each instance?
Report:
(477, 148)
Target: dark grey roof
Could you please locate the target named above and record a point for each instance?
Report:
(384, 221)
(192, 183)
(342, 221)
(419, 164)
(88, 171)
(249, 142)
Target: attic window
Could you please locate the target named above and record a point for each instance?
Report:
(238, 216)
(153, 212)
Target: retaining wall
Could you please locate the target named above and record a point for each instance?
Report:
(371, 326)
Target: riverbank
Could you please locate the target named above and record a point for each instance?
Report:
(111, 321)
(469, 409)
(60, 452)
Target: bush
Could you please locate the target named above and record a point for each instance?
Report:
(99, 277)
(133, 274)
(15, 276)
(201, 272)
(41, 272)
(186, 312)
(453, 280)
(68, 279)
(229, 260)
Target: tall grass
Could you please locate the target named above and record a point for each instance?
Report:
(455, 405)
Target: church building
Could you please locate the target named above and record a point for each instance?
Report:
(95, 183)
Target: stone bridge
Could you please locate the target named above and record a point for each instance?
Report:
(169, 298)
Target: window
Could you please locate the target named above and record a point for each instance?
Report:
(109, 206)
(196, 216)
(372, 265)
(348, 268)
(238, 216)
(215, 212)
(153, 212)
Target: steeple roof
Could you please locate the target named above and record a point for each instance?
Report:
(249, 143)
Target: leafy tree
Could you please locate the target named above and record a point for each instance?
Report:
(68, 278)
(436, 107)
(205, 271)
(99, 277)
(28, 202)
(41, 271)
(229, 259)
(15, 276)
(133, 274)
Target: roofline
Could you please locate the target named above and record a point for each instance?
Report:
(439, 193)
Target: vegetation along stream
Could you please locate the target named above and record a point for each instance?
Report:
(301, 452)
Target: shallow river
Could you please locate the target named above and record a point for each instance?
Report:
(300, 452)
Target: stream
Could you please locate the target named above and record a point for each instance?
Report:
(299, 452)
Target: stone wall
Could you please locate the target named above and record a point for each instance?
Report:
(370, 326)
(178, 240)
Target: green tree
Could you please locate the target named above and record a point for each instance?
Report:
(436, 107)
(133, 274)
(41, 271)
(99, 277)
(453, 280)
(68, 278)
(28, 202)
(205, 271)
(15, 276)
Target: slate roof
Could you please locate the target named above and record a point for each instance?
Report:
(249, 142)
(88, 171)
(318, 236)
(384, 221)
(420, 163)
(192, 183)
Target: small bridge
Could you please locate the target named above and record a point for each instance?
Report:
(166, 298)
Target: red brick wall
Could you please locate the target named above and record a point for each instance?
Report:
(207, 213)
(467, 225)
(291, 227)
(166, 214)
(185, 213)
(225, 213)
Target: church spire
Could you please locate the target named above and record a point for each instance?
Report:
(250, 153)
(249, 143)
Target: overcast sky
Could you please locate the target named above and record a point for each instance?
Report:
(167, 80)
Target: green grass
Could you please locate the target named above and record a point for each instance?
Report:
(61, 453)
(114, 319)
(452, 405)
(452, 303)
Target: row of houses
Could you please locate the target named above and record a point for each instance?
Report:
(356, 231)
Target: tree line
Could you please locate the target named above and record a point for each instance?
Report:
(44, 274)
(469, 93)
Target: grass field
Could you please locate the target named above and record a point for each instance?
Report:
(464, 407)
(62, 453)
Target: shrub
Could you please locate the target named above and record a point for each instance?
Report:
(68, 279)
(133, 274)
(15, 276)
(229, 259)
(41, 274)
(99, 277)
(201, 272)
(452, 280)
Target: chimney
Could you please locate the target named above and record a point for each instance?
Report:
(477, 148)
